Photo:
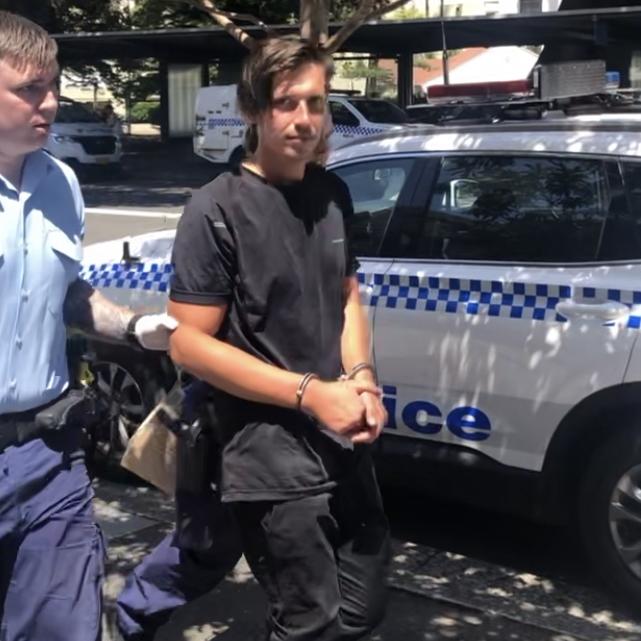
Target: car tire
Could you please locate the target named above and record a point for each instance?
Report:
(610, 513)
(128, 383)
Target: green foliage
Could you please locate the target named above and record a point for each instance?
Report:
(152, 14)
(70, 15)
(379, 81)
(148, 112)
(405, 13)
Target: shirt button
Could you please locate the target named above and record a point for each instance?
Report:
(13, 384)
(25, 294)
(18, 342)
(25, 250)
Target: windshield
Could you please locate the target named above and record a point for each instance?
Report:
(74, 112)
(380, 111)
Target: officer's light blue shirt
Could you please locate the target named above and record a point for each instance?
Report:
(41, 229)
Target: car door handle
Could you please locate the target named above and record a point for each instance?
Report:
(609, 310)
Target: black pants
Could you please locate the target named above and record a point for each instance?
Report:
(322, 560)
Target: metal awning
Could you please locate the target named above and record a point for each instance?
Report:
(603, 27)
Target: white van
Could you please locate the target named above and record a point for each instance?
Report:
(219, 128)
(81, 139)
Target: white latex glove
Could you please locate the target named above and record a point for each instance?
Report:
(153, 331)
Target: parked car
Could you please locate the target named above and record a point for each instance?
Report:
(501, 271)
(82, 139)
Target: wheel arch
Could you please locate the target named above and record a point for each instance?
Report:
(586, 426)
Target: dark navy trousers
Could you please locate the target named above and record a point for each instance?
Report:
(51, 550)
(185, 565)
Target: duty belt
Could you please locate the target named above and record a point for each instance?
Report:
(18, 427)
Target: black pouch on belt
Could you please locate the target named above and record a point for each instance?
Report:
(196, 472)
(196, 459)
(70, 410)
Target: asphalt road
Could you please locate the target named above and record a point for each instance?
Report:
(109, 223)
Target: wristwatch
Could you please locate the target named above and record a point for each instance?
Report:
(130, 332)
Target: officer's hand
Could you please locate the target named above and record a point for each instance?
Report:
(375, 419)
(153, 330)
(338, 405)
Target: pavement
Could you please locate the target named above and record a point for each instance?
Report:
(435, 593)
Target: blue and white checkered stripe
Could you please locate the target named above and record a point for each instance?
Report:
(529, 301)
(144, 276)
(212, 123)
(357, 131)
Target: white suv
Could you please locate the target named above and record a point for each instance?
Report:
(501, 268)
(81, 139)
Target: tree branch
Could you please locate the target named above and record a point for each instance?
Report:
(226, 20)
(367, 10)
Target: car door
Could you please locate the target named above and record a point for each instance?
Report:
(378, 188)
(498, 314)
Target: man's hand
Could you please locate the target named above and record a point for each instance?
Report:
(153, 331)
(339, 405)
(375, 419)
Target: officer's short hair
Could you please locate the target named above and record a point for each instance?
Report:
(264, 63)
(25, 44)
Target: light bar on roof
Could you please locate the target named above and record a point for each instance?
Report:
(548, 82)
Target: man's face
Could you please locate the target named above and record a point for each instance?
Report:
(28, 105)
(291, 127)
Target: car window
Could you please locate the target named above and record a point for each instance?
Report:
(511, 208)
(73, 112)
(341, 115)
(622, 238)
(380, 111)
(374, 188)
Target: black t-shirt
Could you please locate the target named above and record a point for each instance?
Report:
(277, 255)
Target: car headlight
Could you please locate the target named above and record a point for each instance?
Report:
(59, 138)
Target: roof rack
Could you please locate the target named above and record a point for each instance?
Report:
(569, 88)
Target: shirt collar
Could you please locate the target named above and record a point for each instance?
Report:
(37, 165)
(6, 187)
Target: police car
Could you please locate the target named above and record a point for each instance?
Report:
(501, 271)
(81, 139)
(219, 129)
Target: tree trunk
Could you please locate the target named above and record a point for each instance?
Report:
(314, 20)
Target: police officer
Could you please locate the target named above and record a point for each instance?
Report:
(51, 551)
(204, 546)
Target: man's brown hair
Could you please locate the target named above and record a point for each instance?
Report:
(260, 68)
(25, 44)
